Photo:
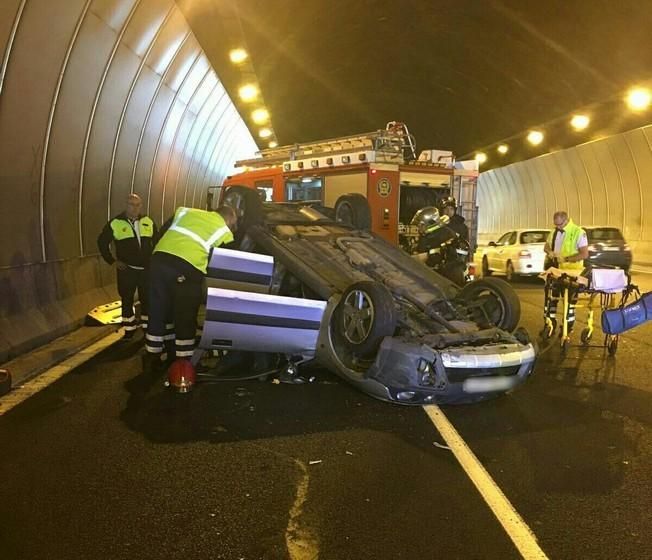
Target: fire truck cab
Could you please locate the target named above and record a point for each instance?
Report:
(382, 166)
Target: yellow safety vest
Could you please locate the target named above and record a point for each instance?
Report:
(122, 228)
(572, 234)
(193, 234)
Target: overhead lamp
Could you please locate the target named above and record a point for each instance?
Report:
(260, 116)
(535, 137)
(264, 133)
(503, 149)
(238, 56)
(580, 122)
(481, 157)
(638, 99)
(273, 144)
(248, 92)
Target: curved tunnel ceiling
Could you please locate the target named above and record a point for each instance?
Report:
(99, 98)
(462, 74)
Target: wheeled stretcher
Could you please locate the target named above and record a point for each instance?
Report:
(604, 289)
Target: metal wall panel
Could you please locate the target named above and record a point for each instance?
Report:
(99, 98)
(604, 182)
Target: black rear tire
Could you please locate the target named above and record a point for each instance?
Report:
(498, 300)
(364, 317)
(353, 210)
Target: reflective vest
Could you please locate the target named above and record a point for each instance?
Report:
(122, 229)
(572, 234)
(193, 234)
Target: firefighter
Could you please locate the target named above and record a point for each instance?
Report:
(567, 248)
(179, 264)
(133, 236)
(455, 221)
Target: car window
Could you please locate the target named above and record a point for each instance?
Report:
(504, 240)
(604, 234)
(306, 188)
(540, 236)
(512, 238)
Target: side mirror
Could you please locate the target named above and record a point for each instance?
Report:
(492, 244)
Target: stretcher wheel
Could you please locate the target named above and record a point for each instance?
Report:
(585, 336)
(548, 329)
(612, 346)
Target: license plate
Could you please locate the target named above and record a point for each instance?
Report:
(482, 385)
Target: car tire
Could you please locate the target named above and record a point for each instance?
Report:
(485, 267)
(364, 316)
(498, 300)
(353, 210)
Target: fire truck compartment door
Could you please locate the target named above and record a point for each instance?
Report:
(249, 321)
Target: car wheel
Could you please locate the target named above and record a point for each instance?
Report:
(509, 272)
(364, 316)
(353, 210)
(485, 267)
(497, 299)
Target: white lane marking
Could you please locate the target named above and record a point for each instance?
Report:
(517, 530)
(300, 542)
(19, 394)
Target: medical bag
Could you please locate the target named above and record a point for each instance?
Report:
(621, 319)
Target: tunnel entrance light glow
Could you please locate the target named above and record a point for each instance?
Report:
(503, 149)
(638, 99)
(481, 157)
(260, 116)
(580, 122)
(248, 92)
(238, 56)
(264, 133)
(535, 137)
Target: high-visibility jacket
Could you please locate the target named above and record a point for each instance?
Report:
(128, 248)
(572, 234)
(192, 235)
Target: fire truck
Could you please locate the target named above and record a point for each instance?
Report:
(382, 166)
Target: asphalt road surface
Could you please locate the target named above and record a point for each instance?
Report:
(106, 464)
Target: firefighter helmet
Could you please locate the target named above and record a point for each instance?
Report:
(181, 376)
(428, 219)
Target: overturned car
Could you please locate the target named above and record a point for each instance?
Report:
(302, 285)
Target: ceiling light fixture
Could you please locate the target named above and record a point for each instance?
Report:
(264, 133)
(535, 137)
(638, 99)
(238, 56)
(273, 144)
(481, 157)
(260, 116)
(503, 149)
(248, 92)
(580, 122)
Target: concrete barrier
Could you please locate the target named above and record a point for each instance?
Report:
(40, 302)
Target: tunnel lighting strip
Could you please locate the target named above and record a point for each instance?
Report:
(514, 525)
(22, 393)
(10, 44)
(48, 131)
(91, 120)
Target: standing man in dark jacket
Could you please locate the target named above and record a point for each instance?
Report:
(133, 236)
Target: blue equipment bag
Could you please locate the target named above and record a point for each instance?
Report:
(616, 321)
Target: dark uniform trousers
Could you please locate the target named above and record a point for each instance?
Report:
(176, 292)
(130, 280)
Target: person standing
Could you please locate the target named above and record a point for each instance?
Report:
(133, 236)
(567, 248)
(178, 266)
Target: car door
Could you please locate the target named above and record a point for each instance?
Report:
(499, 259)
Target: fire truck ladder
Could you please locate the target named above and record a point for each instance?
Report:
(391, 142)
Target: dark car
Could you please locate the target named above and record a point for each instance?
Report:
(305, 287)
(607, 247)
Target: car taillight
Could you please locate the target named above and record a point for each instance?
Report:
(626, 247)
(525, 254)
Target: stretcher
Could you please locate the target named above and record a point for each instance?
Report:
(602, 289)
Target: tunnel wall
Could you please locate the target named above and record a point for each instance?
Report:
(604, 182)
(98, 98)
